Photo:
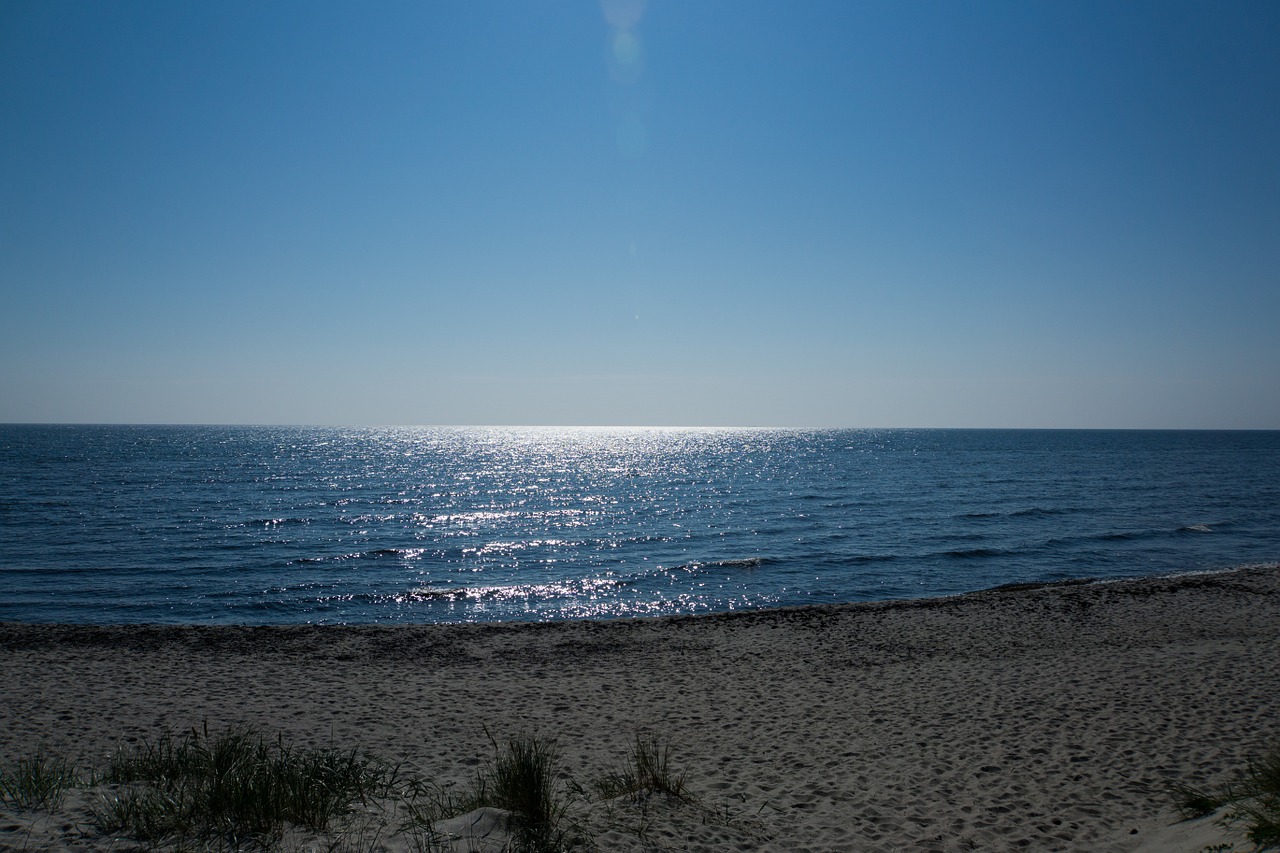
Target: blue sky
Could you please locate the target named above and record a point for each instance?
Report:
(1010, 214)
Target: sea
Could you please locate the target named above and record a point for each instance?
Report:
(245, 525)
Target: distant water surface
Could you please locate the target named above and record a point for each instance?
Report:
(251, 525)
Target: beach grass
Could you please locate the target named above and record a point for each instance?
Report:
(646, 769)
(1252, 798)
(523, 778)
(235, 785)
(37, 782)
(237, 789)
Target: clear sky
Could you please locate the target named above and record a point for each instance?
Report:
(680, 212)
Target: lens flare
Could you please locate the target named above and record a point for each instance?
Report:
(622, 14)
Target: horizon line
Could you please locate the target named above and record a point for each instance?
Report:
(691, 427)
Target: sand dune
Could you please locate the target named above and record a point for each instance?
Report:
(1044, 718)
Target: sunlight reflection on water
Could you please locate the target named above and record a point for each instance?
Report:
(248, 524)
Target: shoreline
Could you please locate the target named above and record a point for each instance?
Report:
(1015, 586)
(1044, 715)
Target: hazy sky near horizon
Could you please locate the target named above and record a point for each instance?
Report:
(680, 212)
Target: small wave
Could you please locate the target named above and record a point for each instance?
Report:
(743, 563)
(508, 548)
(1037, 512)
(1127, 535)
(269, 522)
(366, 518)
(974, 553)
(374, 554)
(556, 589)
(860, 559)
(407, 553)
(431, 593)
(57, 572)
(491, 516)
(1028, 512)
(711, 565)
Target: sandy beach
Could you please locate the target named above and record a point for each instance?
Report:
(1041, 718)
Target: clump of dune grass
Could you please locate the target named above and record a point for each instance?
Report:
(1253, 798)
(523, 779)
(1193, 802)
(236, 787)
(646, 769)
(38, 782)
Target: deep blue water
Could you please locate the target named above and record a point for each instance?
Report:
(289, 525)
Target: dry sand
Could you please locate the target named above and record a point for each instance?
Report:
(1045, 718)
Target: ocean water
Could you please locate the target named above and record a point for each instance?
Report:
(253, 525)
